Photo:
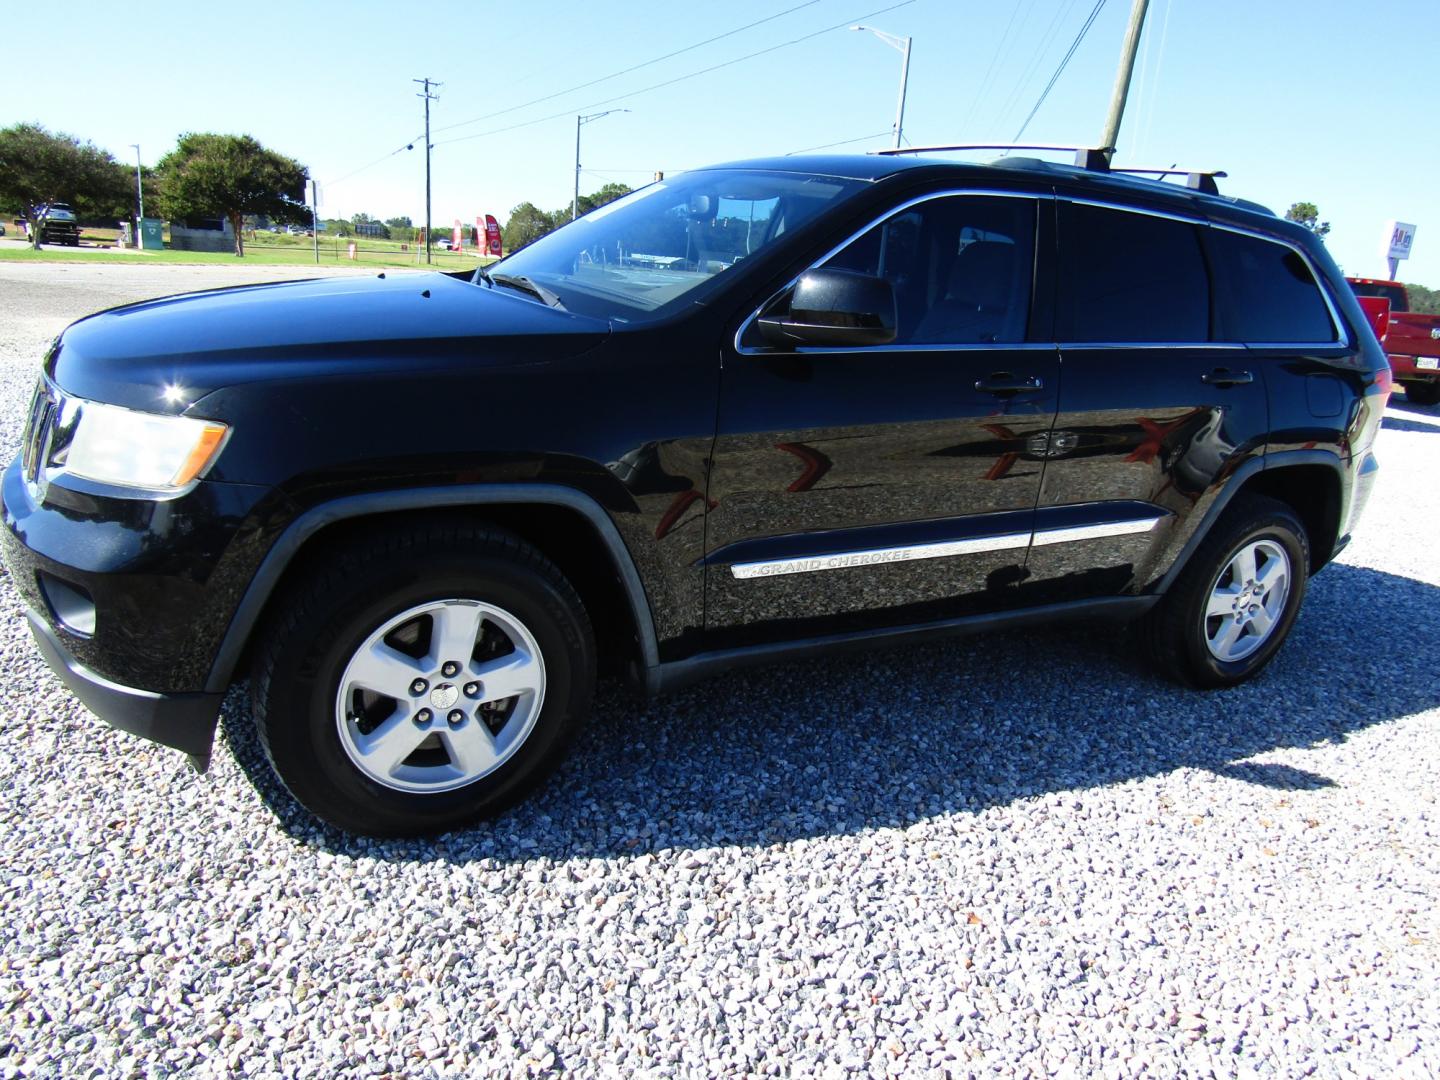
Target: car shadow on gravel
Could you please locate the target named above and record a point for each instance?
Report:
(895, 737)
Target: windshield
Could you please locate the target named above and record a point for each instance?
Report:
(636, 258)
(1394, 293)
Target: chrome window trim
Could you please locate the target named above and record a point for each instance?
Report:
(1342, 339)
(844, 560)
(1104, 205)
(948, 193)
(1076, 346)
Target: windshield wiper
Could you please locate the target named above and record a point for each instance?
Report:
(525, 285)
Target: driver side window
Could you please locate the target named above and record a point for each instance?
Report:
(961, 267)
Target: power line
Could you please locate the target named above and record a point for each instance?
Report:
(1152, 88)
(1028, 70)
(994, 55)
(627, 71)
(679, 78)
(384, 157)
(842, 142)
(1060, 69)
(1002, 52)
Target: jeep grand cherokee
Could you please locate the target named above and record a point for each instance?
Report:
(749, 413)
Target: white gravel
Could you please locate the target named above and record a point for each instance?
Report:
(1017, 856)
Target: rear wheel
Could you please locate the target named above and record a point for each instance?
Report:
(1423, 393)
(424, 679)
(1229, 611)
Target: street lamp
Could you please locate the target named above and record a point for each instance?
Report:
(903, 44)
(139, 196)
(579, 120)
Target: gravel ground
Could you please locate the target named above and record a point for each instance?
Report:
(1022, 855)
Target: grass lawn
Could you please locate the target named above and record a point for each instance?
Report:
(286, 255)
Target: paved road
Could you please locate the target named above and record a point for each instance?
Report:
(1022, 855)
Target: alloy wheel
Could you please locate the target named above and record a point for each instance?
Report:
(440, 695)
(1247, 600)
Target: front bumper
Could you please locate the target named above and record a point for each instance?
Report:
(184, 721)
(129, 599)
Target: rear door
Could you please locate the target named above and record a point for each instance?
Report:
(885, 485)
(1154, 411)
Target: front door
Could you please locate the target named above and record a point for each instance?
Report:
(887, 485)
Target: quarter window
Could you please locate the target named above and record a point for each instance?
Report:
(1133, 277)
(1271, 294)
(961, 266)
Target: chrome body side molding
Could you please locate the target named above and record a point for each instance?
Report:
(844, 560)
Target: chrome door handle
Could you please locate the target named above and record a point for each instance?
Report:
(1226, 377)
(1002, 382)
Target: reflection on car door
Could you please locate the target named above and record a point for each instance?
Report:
(1154, 409)
(863, 487)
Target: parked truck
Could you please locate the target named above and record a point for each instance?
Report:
(58, 225)
(1412, 341)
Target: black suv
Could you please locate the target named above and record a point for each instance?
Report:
(752, 412)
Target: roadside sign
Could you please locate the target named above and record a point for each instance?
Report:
(1399, 238)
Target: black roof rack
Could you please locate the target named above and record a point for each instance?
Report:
(1202, 180)
(1091, 158)
(1095, 158)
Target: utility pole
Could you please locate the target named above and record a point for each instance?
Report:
(1122, 78)
(903, 44)
(315, 218)
(580, 120)
(429, 97)
(139, 196)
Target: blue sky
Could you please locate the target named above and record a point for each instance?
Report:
(1326, 101)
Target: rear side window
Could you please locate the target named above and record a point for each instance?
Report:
(1270, 294)
(1132, 277)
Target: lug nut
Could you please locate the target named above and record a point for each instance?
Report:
(472, 689)
(450, 669)
(418, 687)
(456, 718)
(422, 717)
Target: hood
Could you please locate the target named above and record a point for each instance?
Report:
(389, 323)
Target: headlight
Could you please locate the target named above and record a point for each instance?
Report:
(162, 454)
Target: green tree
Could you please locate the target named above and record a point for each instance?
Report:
(1426, 301)
(526, 225)
(1308, 215)
(229, 176)
(38, 167)
(528, 222)
(608, 193)
(401, 222)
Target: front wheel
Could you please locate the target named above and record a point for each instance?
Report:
(423, 679)
(1229, 611)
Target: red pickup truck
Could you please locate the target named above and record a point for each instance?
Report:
(1413, 341)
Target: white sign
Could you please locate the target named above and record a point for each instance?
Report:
(1400, 238)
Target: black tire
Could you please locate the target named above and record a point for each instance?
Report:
(1423, 393)
(1173, 633)
(346, 597)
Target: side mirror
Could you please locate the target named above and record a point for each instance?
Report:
(836, 308)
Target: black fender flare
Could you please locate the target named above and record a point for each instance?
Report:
(298, 532)
(1279, 460)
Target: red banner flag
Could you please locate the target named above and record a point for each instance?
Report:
(492, 235)
(455, 237)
